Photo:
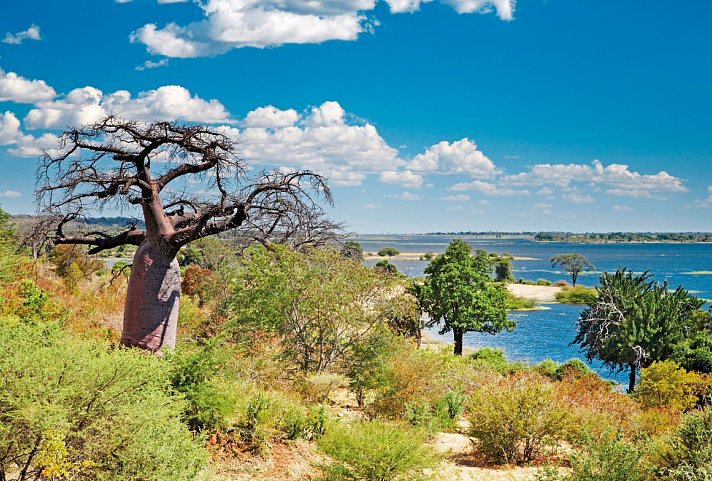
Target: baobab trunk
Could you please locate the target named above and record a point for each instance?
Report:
(458, 340)
(152, 299)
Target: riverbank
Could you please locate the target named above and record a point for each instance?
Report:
(421, 256)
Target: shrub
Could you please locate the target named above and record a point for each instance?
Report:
(72, 408)
(573, 368)
(576, 295)
(193, 374)
(666, 384)
(548, 368)
(543, 282)
(518, 303)
(491, 358)
(515, 419)
(604, 458)
(690, 455)
(316, 387)
(376, 451)
(388, 252)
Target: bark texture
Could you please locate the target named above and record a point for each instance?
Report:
(152, 300)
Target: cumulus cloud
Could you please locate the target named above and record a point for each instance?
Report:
(622, 208)
(271, 117)
(618, 179)
(229, 24)
(10, 194)
(9, 129)
(32, 33)
(15, 88)
(460, 157)
(405, 178)
(488, 188)
(88, 104)
(456, 198)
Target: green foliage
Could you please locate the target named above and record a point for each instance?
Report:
(193, 374)
(321, 302)
(518, 303)
(10, 260)
(73, 408)
(573, 367)
(694, 353)
(34, 302)
(459, 292)
(635, 321)
(574, 264)
(502, 267)
(664, 384)
(71, 262)
(576, 295)
(690, 456)
(376, 451)
(386, 266)
(388, 252)
(603, 458)
(366, 362)
(353, 250)
(547, 368)
(515, 419)
(492, 358)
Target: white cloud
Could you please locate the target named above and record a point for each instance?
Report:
(32, 33)
(271, 118)
(456, 198)
(88, 104)
(706, 202)
(617, 178)
(18, 89)
(542, 205)
(324, 141)
(9, 129)
(232, 24)
(622, 208)
(460, 157)
(410, 196)
(405, 178)
(150, 64)
(577, 198)
(488, 189)
(10, 194)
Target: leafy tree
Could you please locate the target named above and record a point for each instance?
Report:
(502, 267)
(387, 266)
(154, 168)
(322, 303)
(634, 321)
(664, 384)
(574, 264)
(459, 292)
(10, 260)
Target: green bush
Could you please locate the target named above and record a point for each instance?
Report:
(72, 408)
(376, 451)
(193, 374)
(492, 358)
(666, 385)
(605, 458)
(548, 368)
(690, 455)
(515, 419)
(388, 252)
(518, 303)
(576, 295)
(573, 367)
(543, 282)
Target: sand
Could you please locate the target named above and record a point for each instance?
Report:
(538, 293)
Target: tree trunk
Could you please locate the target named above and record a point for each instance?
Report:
(631, 382)
(152, 298)
(458, 341)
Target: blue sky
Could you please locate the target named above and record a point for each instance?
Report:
(587, 115)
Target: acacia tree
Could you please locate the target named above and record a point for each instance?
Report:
(459, 292)
(635, 321)
(574, 264)
(188, 182)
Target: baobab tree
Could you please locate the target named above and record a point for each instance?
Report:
(187, 182)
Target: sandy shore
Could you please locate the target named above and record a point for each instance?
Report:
(538, 293)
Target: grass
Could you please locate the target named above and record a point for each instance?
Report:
(576, 295)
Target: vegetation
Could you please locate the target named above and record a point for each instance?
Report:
(624, 237)
(574, 264)
(304, 364)
(576, 295)
(459, 292)
(635, 321)
(388, 252)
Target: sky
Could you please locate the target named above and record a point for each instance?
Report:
(440, 115)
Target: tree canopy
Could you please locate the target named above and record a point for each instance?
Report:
(574, 264)
(460, 293)
(635, 321)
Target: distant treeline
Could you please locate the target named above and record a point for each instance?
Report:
(624, 237)
(104, 221)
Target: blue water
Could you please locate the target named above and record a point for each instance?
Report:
(547, 334)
